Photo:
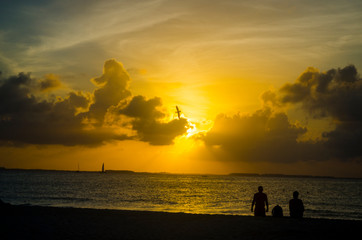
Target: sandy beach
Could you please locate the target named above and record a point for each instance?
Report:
(33, 222)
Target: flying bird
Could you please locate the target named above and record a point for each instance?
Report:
(178, 111)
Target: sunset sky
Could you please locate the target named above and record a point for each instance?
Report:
(265, 86)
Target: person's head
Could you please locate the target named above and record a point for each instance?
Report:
(295, 194)
(260, 189)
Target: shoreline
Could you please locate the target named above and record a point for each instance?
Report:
(38, 222)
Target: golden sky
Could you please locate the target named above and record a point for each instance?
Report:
(263, 86)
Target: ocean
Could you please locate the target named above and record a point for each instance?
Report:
(332, 198)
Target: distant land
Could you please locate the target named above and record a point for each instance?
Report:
(277, 175)
(230, 174)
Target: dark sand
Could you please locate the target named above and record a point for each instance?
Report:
(25, 222)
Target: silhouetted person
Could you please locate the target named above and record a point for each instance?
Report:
(296, 207)
(277, 211)
(260, 200)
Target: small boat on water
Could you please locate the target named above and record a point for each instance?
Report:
(103, 168)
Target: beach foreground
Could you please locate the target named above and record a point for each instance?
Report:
(33, 222)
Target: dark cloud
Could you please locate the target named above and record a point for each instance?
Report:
(112, 88)
(146, 121)
(78, 118)
(336, 94)
(141, 108)
(268, 134)
(25, 119)
(50, 82)
(261, 136)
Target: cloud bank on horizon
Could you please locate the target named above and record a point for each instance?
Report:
(29, 115)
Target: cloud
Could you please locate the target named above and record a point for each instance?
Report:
(25, 119)
(79, 118)
(262, 136)
(337, 94)
(146, 121)
(112, 88)
(50, 82)
(268, 134)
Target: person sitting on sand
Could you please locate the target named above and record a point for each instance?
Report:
(277, 211)
(296, 207)
(260, 200)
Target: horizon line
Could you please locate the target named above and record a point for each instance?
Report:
(240, 174)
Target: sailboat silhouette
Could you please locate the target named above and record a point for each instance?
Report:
(103, 168)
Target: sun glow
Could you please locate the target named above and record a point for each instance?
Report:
(192, 129)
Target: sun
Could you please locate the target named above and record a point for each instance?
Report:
(192, 130)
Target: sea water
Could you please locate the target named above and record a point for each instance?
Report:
(331, 198)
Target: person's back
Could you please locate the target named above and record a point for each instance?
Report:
(296, 207)
(260, 200)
